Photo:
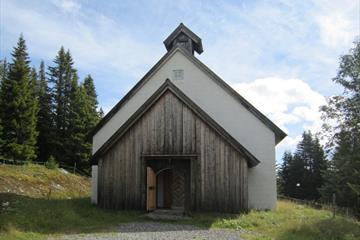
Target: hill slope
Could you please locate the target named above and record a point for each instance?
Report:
(29, 210)
(39, 182)
(36, 202)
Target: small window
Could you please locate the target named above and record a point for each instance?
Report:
(178, 74)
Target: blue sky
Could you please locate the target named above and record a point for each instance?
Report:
(280, 55)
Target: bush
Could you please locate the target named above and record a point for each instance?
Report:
(51, 163)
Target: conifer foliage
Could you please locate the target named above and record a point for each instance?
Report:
(342, 126)
(3, 75)
(18, 107)
(46, 115)
(45, 118)
(301, 172)
(61, 76)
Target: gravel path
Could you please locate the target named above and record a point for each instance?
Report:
(159, 231)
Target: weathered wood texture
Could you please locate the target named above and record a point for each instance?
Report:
(218, 176)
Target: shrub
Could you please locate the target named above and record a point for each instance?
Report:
(51, 163)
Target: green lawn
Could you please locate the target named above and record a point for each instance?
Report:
(35, 218)
(31, 214)
(290, 222)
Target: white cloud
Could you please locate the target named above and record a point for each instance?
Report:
(335, 30)
(99, 44)
(95, 41)
(288, 144)
(69, 6)
(285, 101)
(338, 22)
(296, 39)
(245, 43)
(290, 103)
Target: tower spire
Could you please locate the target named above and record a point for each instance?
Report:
(184, 37)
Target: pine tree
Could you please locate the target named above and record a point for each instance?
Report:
(18, 107)
(34, 82)
(3, 69)
(285, 174)
(61, 76)
(90, 116)
(343, 178)
(3, 74)
(79, 148)
(301, 173)
(101, 113)
(93, 115)
(45, 117)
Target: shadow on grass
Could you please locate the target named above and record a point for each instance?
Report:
(61, 216)
(326, 229)
(76, 216)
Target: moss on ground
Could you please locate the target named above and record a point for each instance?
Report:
(39, 182)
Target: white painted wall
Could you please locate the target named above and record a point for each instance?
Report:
(224, 109)
(94, 184)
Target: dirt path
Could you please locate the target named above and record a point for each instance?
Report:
(159, 231)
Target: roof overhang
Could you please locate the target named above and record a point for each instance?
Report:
(279, 134)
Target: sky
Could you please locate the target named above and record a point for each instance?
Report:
(280, 55)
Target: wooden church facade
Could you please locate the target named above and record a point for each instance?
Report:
(169, 152)
(171, 137)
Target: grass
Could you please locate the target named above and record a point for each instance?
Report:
(290, 222)
(32, 213)
(40, 201)
(38, 181)
(33, 218)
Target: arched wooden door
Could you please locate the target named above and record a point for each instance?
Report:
(151, 189)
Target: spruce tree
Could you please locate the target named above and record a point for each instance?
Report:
(301, 173)
(286, 185)
(341, 126)
(101, 113)
(74, 111)
(3, 69)
(18, 108)
(61, 76)
(80, 149)
(45, 117)
(93, 116)
(34, 82)
(3, 74)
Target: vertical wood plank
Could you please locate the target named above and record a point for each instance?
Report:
(218, 176)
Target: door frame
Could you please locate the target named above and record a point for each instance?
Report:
(187, 157)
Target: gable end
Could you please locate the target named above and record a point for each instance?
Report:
(168, 86)
(279, 134)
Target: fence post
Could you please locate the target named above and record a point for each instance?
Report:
(74, 167)
(334, 204)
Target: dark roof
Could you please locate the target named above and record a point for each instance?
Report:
(183, 29)
(168, 86)
(279, 134)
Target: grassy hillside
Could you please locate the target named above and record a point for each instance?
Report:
(290, 222)
(36, 201)
(39, 182)
(28, 211)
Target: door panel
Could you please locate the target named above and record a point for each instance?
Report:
(178, 189)
(151, 189)
(167, 189)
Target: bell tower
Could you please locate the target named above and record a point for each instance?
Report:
(184, 37)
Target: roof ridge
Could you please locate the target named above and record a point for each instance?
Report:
(279, 134)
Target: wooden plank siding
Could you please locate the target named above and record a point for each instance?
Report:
(218, 175)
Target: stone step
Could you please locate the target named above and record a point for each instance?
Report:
(167, 214)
